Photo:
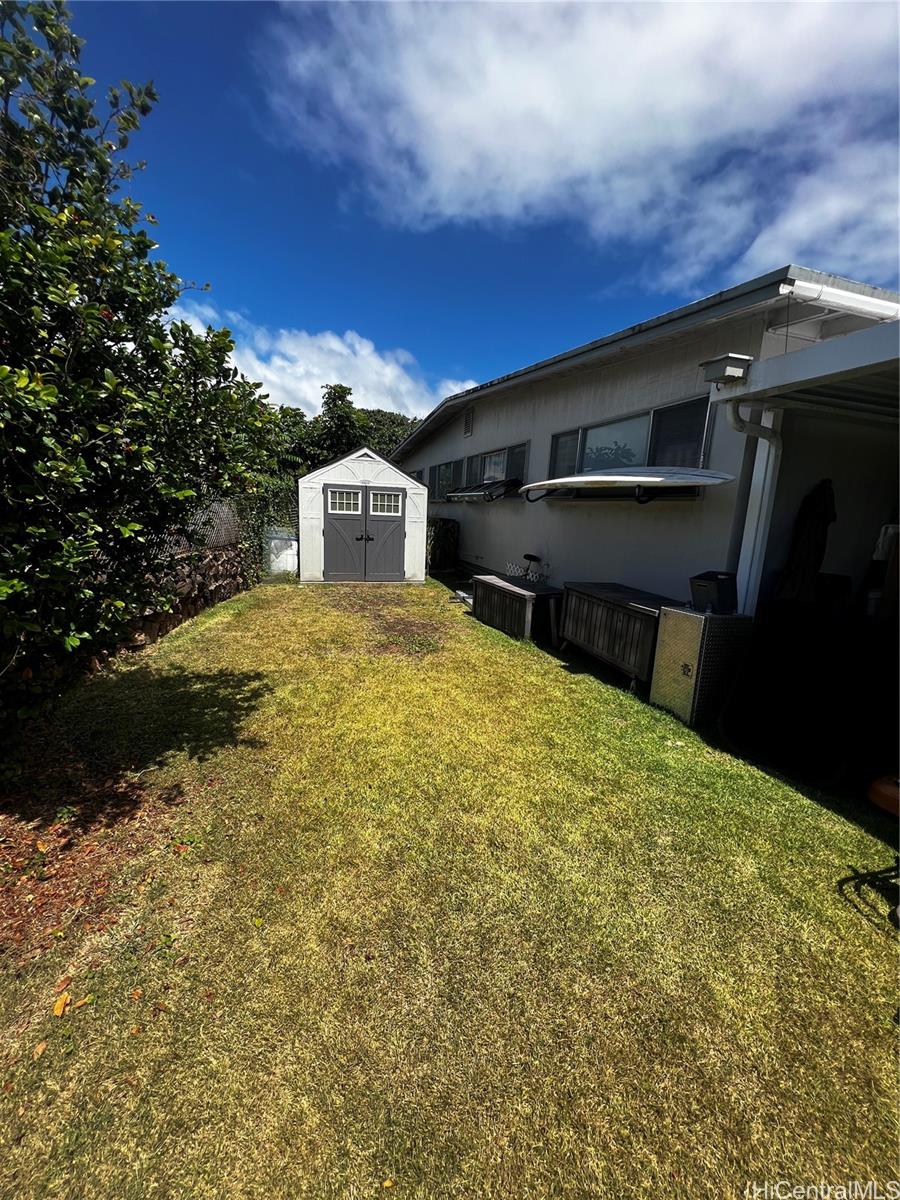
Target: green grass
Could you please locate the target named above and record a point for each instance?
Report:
(446, 914)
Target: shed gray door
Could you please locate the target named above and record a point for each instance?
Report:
(365, 533)
(345, 532)
(386, 534)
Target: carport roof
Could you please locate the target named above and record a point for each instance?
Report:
(856, 373)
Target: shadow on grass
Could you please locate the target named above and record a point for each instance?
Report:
(826, 780)
(85, 763)
(875, 895)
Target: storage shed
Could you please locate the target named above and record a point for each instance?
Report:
(362, 518)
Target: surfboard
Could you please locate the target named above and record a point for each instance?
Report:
(633, 477)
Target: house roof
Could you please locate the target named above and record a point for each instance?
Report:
(754, 293)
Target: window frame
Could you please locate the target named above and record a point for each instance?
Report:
(394, 493)
(440, 497)
(345, 490)
(584, 430)
(481, 455)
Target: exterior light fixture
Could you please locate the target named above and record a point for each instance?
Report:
(727, 368)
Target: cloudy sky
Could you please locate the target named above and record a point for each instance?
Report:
(410, 197)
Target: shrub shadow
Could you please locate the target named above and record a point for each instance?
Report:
(88, 758)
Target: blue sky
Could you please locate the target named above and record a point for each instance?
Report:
(408, 198)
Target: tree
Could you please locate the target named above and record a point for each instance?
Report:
(335, 430)
(384, 430)
(116, 424)
(338, 429)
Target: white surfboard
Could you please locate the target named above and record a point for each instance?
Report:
(633, 477)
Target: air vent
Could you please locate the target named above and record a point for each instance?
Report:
(468, 422)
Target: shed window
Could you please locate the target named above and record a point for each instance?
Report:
(345, 502)
(386, 503)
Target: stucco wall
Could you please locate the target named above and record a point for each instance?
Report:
(657, 546)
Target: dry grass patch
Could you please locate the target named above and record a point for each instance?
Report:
(458, 919)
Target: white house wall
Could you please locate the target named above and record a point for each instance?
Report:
(366, 471)
(657, 546)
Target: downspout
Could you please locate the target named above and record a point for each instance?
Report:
(750, 428)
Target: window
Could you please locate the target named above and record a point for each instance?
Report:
(618, 444)
(345, 502)
(666, 437)
(508, 463)
(677, 435)
(564, 454)
(468, 422)
(444, 478)
(385, 504)
(493, 466)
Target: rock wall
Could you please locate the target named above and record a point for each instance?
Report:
(200, 579)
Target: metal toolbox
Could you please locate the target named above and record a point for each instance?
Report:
(697, 655)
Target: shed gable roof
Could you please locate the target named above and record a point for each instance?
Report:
(362, 452)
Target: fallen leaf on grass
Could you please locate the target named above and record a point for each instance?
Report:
(160, 1006)
(38, 1050)
(137, 993)
(88, 999)
(43, 847)
(62, 1003)
(135, 1030)
(63, 984)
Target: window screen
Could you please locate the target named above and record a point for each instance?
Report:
(616, 444)
(515, 461)
(564, 454)
(345, 502)
(676, 438)
(473, 470)
(385, 503)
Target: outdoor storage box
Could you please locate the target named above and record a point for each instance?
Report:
(697, 656)
(615, 623)
(519, 607)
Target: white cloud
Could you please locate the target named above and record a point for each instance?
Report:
(293, 365)
(710, 134)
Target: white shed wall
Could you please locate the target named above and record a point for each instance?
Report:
(367, 469)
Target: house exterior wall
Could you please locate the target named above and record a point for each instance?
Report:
(657, 546)
(367, 470)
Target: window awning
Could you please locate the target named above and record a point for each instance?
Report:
(495, 489)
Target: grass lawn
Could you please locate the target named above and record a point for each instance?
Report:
(365, 899)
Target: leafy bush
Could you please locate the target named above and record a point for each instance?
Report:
(116, 424)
